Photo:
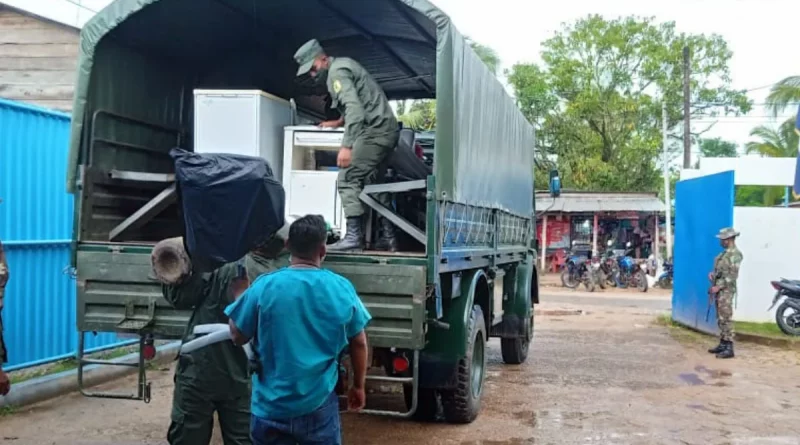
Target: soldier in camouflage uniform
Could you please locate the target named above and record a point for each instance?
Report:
(216, 377)
(723, 278)
(370, 136)
(5, 383)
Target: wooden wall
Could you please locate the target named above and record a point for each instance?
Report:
(38, 60)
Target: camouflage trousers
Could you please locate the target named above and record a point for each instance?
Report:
(725, 315)
(369, 153)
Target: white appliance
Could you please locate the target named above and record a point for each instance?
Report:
(245, 122)
(309, 190)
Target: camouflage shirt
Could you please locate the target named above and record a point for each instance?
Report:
(726, 268)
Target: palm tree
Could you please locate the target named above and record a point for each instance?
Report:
(783, 93)
(778, 142)
(781, 142)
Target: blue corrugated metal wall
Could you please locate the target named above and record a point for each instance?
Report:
(36, 230)
(703, 206)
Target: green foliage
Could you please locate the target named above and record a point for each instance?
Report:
(778, 142)
(783, 93)
(596, 99)
(718, 148)
(421, 114)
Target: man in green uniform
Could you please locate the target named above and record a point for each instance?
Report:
(5, 383)
(216, 377)
(723, 278)
(370, 136)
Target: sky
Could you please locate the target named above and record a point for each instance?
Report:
(761, 34)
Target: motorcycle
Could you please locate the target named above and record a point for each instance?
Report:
(665, 279)
(789, 291)
(607, 268)
(629, 275)
(577, 271)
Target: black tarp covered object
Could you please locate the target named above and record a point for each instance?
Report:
(231, 204)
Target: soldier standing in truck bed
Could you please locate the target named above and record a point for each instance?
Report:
(5, 383)
(724, 276)
(370, 136)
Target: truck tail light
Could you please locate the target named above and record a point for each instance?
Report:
(149, 351)
(400, 364)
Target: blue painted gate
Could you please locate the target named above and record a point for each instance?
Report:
(702, 207)
(36, 230)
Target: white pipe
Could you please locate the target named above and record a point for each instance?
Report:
(215, 333)
(209, 328)
(205, 340)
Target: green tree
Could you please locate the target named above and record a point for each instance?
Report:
(783, 93)
(596, 98)
(780, 142)
(421, 114)
(718, 148)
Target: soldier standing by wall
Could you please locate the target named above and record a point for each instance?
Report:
(5, 383)
(723, 278)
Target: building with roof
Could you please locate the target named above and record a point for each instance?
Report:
(39, 51)
(586, 221)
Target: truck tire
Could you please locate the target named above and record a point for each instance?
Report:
(515, 350)
(427, 403)
(462, 404)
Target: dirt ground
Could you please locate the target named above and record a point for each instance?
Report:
(609, 376)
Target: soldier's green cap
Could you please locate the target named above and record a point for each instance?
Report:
(306, 54)
(727, 233)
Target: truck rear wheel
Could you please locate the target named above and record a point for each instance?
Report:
(462, 404)
(515, 350)
(427, 403)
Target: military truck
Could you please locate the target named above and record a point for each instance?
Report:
(467, 269)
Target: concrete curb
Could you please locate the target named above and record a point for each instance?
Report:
(784, 343)
(50, 386)
(558, 312)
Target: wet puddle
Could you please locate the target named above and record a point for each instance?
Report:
(698, 406)
(713, 373)
(691, 378)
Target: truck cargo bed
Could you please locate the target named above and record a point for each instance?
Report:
(117, 292)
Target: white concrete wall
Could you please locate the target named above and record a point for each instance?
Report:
(748, 170)
(769, 241)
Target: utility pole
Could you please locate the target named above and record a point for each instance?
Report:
(667, 201)
(687, 128)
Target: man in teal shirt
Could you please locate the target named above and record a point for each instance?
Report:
(300, 319)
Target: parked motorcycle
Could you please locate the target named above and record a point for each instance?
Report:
(629, 274)
(576, 271)
(788, 313)
(607, 268)
(665, 279)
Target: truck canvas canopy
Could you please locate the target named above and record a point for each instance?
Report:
(141, 59)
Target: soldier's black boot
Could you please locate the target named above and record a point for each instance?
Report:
(353, 238)
(717, 349)
(388, 238)
(727, 352)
